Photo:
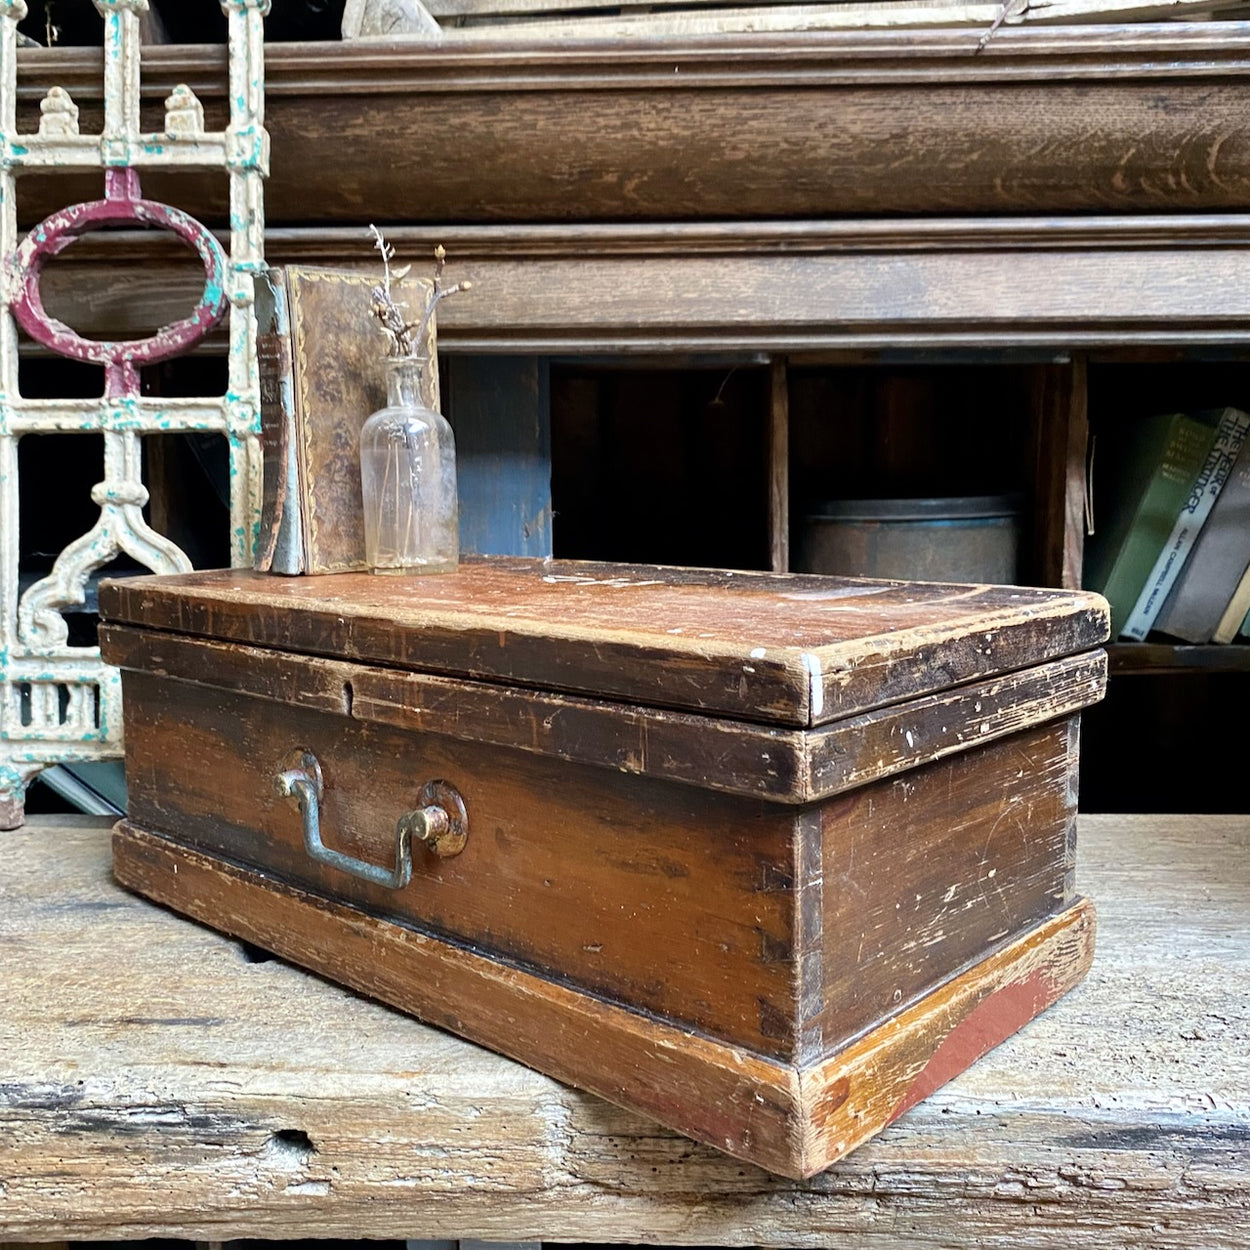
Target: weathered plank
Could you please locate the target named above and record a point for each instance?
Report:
(766, 647)
(751, 126)
(398, 19)
(791, 286)
(667, 21)
(158, 1083)
(500, 409)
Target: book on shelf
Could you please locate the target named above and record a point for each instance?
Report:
(1140, 483)
(1236, 616)
(320, 356)
(1231, 425)
(1211, 577)
(1235, 621)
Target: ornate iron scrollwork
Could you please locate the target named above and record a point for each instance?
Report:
(60, 702)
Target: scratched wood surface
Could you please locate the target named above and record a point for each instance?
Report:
(395, 18)
(529, 19)
(158, 1082)
(926, 873)
(583, 872)
(737, 757)
(792, 1122)
(797, 650)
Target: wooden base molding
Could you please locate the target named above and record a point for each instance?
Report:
(802, 1118)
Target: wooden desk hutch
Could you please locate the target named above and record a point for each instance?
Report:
(718, 281)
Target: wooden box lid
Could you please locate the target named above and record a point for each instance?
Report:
(784, 649)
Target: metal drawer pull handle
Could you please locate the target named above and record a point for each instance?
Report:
(440, 822)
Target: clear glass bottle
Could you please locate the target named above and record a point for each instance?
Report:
(408, 479)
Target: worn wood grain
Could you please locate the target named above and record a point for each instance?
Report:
(527, 21)
(1060, 424)
(737, 757)
(169, 1087)
(935, 867)
(1116, 119)
(749, 285)
(785, 649)
(582, 873)
(369, 19)
(778, 466)
(794, 1122)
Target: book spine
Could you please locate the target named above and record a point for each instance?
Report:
(1165, 462)
(1229, 436)
(1212, 575)
(1235, 614)
(1213, 593)
(278, 549)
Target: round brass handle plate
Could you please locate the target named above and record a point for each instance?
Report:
(449, 839)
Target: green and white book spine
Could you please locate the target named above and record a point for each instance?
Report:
(1140, 482)
(1229, 435)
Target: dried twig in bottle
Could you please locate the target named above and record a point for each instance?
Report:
(407, 338)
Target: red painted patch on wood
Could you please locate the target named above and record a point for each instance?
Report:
(831, 1100)
(994, 1019)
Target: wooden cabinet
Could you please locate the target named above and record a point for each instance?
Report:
(714, 281)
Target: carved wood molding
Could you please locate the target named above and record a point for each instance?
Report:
(801, 286)
(1141, 118)
(773, 286)
(1137, 51)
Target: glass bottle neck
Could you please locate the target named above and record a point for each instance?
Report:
(404, 375)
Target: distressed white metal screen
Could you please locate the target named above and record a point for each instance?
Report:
(60, 702)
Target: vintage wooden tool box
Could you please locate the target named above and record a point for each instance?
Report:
(768, 858)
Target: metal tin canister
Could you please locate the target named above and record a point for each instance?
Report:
(965, 538)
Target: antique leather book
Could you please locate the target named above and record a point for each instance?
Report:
(320, 355)
(765, 857)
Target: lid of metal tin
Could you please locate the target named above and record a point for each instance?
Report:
(948, 508)
(786, 649)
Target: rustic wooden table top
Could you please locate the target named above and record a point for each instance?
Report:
(157, 1081)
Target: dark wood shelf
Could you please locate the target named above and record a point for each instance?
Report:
(1138, 658)
(607, 208)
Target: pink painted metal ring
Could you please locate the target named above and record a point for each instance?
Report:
(121, 206)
